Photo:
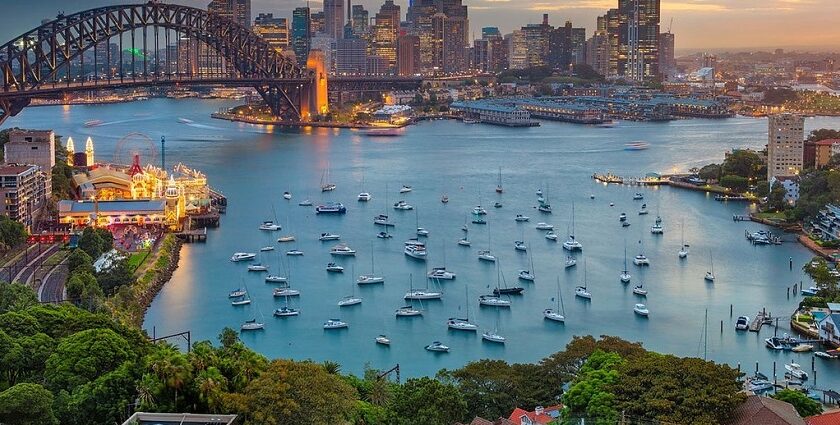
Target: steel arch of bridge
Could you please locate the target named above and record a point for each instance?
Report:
(31, 65)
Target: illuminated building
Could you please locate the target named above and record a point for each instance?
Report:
(442, 26)
(360, 20)
(785, 145)
(334, 18)
(667, 62)
(518, 50)
(385, 30)
(638, 39)
(350, 56)
(23, 189)
(317, 24)
(300, 33)
(408, 55)
(89, 152)
(70, 151)
(238, 11)
(273, 30)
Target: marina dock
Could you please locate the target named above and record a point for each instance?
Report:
(189, 236)
(759, 320)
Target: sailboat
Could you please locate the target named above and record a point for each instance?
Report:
(351, 299)
(641, 259)
(572, 244)
(556, 314)
(639, 289)
(493, 336)
(505, 290)
(499, 185)
(486, 254)
(326, 185)
(684, 247)
(464, 324)
(240, 296)
(710, 275)
(382, 219)
(421, 294)
(285, 310)
(465, 241)
(364, 196)
(581, 291)
(441, 272)
(366, 279)
(625, 276)
(528, 275)
(544, 206)
(253, 324)
(420, 230)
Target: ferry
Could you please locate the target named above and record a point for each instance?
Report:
(185, 121)
(636, 146)
(384, 132)
(331, 208)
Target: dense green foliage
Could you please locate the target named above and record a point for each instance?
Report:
(12, 233)
(95, 241)
(803, 405)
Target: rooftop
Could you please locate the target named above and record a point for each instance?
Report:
(65, 207)
(832, 418)
(758, 410)
(142, 418)
(14, 169)
(827, 142)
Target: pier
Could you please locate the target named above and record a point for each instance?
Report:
(759, 320)
(190, 236)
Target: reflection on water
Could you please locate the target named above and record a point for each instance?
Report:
(254, 165)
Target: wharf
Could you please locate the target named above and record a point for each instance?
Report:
(210, 219)
(759, 320)
(198, 235)
(218, 200)
(610, 178)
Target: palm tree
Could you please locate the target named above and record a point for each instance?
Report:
(211, 384)
(172, 368)
(331, 367)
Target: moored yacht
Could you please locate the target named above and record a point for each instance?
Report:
(383, 340)
(408, 311)
(285, 292)
(329, 237)
(270, 226)
(287, 195)
(493, 301)
(275, 279)
(493, 336)
(641, 260)
(364, 197)
(461, 325)
(441, 273)
(349, 300)
(335, 324)
(342, 250)
(437, 347)
(257, 267)
(582, 292)
(331, 208)
(572, 244)
(526, 275)
(252, 325)
(403, 206)
(520, 246)
(416, 251)
(486, 255)
(638, 290)
(405, 189)
(570, 262)
(657, 229)
(294, 252)
(286, 311)
(422, 294)
(267, 248)
(641, 310)
(544, 226)
(236, 293)
(242, 256)
(382, 220)
(522, 218)
(334, 268)
(550, 235)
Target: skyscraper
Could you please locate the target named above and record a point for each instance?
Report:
(667, 62)
(537, 41)
(273, 30)
(638, 35)
(385, 30)
(408, 55)
(238, 11)
(598, 48)
(517, 50)
(317, 24)
(442, 26)
(334, 18)
(785, 145)
(360, 19)
(300, 34)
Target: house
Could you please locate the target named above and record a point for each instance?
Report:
(540, 415)
(832, 418)
(791, 186)
(829, 325)
(481, 421)
(759, 410)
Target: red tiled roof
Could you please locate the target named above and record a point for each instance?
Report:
(544, 418)
(758, 410)
(832, 418)
(827, 142)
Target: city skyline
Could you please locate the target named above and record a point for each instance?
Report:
(699, 24)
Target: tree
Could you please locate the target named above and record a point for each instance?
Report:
(79, 260)
(172, 369)
(412, 407)
(744, 163)
(822, 134)
(105, 400)
(710, 172)
(803, 405)
(590, 396)
(735, 183)
(490, 387)
(16, 296)
(27, 404)
(118, 275)
(91, 243)
(84, 356)
(12, 233)
(211, 386)
(776, 200)
(586, 72)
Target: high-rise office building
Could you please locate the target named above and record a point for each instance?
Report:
(785, 145)
(334, 18)
(350, 56)
(317, 24)
(537, 40)
(385, 30)
(361, 20)
(481, 55)
(638, 39)
(667, 61)
(301, 34)
(488, 32)
(567, 46)
(273, 30)
(238, 11)
(598, 48)
(326, 45)
(517, 50)
(408, 55)
(442, 26)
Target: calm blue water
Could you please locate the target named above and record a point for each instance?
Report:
(254, 165)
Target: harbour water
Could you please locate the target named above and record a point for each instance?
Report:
(254, 165)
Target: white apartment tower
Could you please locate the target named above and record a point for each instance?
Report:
(785, 145)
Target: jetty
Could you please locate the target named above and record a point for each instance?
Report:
(761, 318)
(189, 236)
(651, 180)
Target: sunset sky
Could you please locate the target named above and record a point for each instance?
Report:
(698, 24)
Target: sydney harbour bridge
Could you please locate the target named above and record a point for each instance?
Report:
(160, 44)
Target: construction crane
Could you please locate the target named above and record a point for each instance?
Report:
(670, 25)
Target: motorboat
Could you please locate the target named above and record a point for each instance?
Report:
(382, 220)
(636, 146)
(758, 385)
(252, 325)
(683, 252)
(364, 197)
(643, 211)
(526, 275)
(384, 235)
(236, 293)
(422, 231)
(581, 292)
(267, 248)
(331, 208)
(287, 238)
(478, 210)
(369, 279)
(624, 276)
(422, 294)
(270, 226)
(742, 324)
(440, 273)
(240, 301)
(622, 217)
(795, 370)
(478, 220)
(710, 277)
(408, 311)
(403, 206)
(492, 336)
(638, 290)
(335, 324)
(522, 218)
(638, 196)
(461, 325)
(437, 347)
(287, 195)
(591, 196)
(657, 229)
(550, 235)
(349, 300)
(658, 219)
(641, 260)
(570, 262)
(572, 244)
(342, 250)
(801, 348)
(257, 267)
(777, 343)
(544, 208)
(493, 301)
(520, 246)
(539, 192)
(383, 340)
(405, 189)
(329, 237)
(328, 187)
(242, 256)
(444, 199)
(96, 123)
(485, 255)
(334, 268)
(275, 279)
(285, 292)
(294, 252)
(286, 311)
(417, 252)
(641, 310)
(464, 242)
(825, 355)
(544, 226)
(811, 291)
(305, 203)
(497, 205)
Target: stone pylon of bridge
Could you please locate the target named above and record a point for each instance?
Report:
(318, 102)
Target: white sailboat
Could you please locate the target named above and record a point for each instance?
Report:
(710, 275)
(499, 188)
(326, 185)
(528, 275)
(253, 324)
(421, 231)
(641, 259)
(556, 314)
(486, 254)
(421, 294)
(494, 336)
(352, 299)
(441, 273)
(463, 324)
(572, 244)
(683, 247)
(625, 275)
(371, 278)
(465, 241)
(581, 291)
(364, 196)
